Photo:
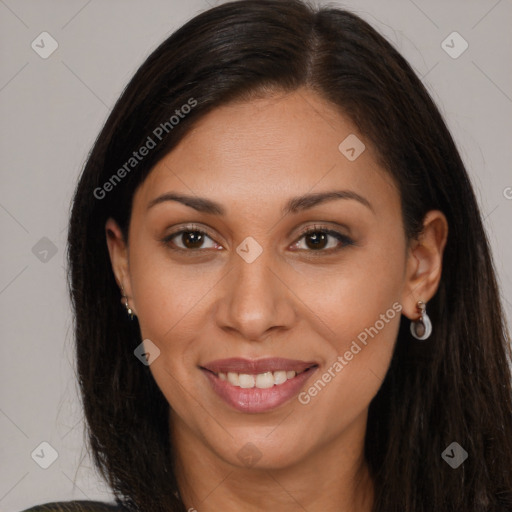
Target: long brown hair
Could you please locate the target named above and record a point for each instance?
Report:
(455, 387)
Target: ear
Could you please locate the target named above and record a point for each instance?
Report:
(118, 251)
(424, 263)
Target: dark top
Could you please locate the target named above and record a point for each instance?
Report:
(75, 506)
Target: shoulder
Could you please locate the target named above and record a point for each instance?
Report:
(75, 506)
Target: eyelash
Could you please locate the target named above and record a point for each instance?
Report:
(346, 241)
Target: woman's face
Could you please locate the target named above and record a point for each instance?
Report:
(256, 298)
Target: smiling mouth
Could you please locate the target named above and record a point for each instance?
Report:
(263, 380)
(257, 385)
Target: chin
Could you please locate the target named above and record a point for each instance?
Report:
(263, 451)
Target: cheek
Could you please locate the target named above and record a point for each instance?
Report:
(358, 295)
(168, 305)
(360, 303)
(364, 322)
(167, 296)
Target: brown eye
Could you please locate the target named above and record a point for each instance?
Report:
(317, 239)
(192, 239)
(189, 239)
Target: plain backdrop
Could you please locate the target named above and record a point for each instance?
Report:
(51, 110)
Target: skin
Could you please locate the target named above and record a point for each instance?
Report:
(251, 157)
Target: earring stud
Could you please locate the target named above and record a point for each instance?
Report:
(421, 329)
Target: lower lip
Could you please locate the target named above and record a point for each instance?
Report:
(254, 400)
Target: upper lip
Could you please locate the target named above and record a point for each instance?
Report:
(254, 367)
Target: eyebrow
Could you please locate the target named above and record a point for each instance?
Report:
(293, 205)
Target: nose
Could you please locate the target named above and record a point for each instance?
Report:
(256, 299)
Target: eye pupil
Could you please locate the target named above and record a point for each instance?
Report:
(317, 238)
(194, 237)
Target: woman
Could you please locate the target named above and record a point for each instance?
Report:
(283, 292)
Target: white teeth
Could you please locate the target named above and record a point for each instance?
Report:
(264, 380)
(246, 381)
(233, 378)
(279, 377)
(261, 380)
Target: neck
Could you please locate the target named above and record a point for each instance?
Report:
(332, 479)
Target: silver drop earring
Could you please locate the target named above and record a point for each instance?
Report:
(126, 305)
(421, 329)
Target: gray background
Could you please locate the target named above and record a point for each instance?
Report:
(50, 113)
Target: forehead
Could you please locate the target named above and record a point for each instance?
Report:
(249, 154)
